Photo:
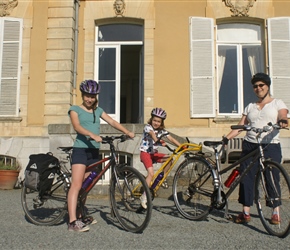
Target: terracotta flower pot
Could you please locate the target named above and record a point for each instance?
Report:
(8, 178)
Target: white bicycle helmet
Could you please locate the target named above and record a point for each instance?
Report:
(159, 112)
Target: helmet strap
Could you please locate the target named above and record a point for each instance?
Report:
(265, 95)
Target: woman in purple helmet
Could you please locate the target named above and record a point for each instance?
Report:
(152, 133)
(85, 119)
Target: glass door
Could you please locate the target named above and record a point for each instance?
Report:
(108, 76)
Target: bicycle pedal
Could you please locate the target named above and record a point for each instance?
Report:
(37, 202)
(186, 193)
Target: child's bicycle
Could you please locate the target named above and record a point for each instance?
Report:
(160, 176)
(52, 207)
(198, 187)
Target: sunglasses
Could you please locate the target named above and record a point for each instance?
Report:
(259, 85)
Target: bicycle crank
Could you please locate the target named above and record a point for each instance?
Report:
(218, 204)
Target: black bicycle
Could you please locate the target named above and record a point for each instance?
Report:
(52, 206)
(198, 187)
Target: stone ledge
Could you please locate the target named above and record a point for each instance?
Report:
(105, 129)
(10, 119)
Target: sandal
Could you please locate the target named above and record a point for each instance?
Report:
(164, 184)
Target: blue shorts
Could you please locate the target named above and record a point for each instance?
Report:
(85, 156)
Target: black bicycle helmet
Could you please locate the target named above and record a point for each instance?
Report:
(261, 77)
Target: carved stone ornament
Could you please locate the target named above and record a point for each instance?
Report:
(6, 6)
(119, 7)
(239, 7)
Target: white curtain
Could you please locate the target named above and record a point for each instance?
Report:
(221, 63)
(254, 58)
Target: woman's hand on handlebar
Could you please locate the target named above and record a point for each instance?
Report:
(283, 123)
(131, 135)
(96, 138)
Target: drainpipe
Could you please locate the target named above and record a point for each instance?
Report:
(75, 62)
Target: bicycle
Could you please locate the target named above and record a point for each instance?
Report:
(186, 148)
(51, 208)
(198, 187)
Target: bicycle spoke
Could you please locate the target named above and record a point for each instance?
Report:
(192, 189)
(125, 199)
(272, 193)
(47, 210)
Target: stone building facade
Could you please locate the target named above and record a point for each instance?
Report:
(192, 58)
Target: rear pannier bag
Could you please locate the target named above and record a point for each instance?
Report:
(40, 172)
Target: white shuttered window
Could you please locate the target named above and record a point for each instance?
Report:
(202, 97)
(10, 61)
(279, 57)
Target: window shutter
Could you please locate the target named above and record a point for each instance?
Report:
(202, 97)
(279, 57)
(10, 48)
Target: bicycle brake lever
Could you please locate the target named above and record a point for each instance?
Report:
(125, 138)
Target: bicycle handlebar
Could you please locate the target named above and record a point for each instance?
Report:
(267, 128)
(158, 142)
(109, 139)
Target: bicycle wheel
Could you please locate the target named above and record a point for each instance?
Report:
(49, 209)
(273, 190)
(193, 188)
(125, 193)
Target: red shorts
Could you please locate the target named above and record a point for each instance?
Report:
(148, 159)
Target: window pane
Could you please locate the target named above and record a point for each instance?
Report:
(107, 63)
(240, 55)
(107, 96)
(120, 32)
(250, 60)
(228, 92)
(237, 32)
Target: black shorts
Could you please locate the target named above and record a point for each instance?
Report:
(84, 156)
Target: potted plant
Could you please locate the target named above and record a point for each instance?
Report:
(9, 171)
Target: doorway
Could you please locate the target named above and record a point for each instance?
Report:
(119, 64)
(131, 84)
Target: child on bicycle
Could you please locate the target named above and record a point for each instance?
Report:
(149, 154)
(85, 119)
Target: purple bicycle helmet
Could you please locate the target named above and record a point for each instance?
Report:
(90, 87)
(159, 112)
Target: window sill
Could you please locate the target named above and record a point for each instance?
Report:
(226, 120)
(10, 119)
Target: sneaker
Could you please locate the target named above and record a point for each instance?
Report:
(164, 184)
(143, 200)
(78, 226)
(243, 218)
(275, 220)
(89, 220)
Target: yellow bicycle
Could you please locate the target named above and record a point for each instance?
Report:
(185, 149)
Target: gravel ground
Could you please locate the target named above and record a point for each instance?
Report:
(166, 230)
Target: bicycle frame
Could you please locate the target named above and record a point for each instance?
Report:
(113, 160)
(256, 155)
(192, 148)
(100, 174)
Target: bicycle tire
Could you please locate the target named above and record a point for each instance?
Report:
(49, 209)
(193, 188)
(125, 193)
(272, 194)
